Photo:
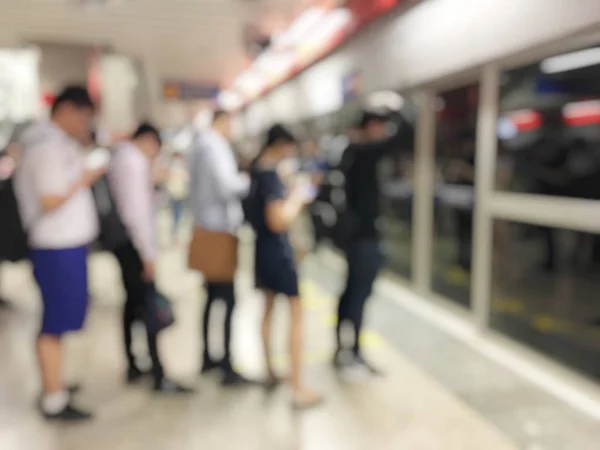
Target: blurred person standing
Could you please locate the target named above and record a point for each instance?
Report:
(13, 240)
(357, 231)
(177, 188)
(216, 191)
(58, 211)
(272, 211)
(131, 183)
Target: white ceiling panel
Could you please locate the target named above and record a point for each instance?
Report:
(191, 39)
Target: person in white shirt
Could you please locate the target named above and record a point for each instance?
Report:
(216, 191)
(131, 184)
(177, 188)
(58, 211)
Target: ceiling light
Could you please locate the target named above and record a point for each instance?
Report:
(229, 100)
(274, 62)
(250, 83)
(571, 61)
(300, 27)
(334, 22)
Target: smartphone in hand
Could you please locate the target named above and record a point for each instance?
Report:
(97, 159)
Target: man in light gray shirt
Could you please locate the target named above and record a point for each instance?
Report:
(216, 190)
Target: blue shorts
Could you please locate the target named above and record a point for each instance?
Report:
(61, 275)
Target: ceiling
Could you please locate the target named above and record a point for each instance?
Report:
(184, 39)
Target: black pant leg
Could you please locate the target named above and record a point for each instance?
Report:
(136, 289)
(210, 297)
(226, 293)
(367, 261)
(344, 301)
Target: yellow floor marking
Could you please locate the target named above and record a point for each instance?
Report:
(371, 339)
(547, 324)
(329, 320)
(509, 305)
(316, 301)
(456, 276)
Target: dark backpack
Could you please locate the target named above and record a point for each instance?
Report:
(113, 233)
(13, 236)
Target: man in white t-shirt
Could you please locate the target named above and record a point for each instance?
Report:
(57, 208)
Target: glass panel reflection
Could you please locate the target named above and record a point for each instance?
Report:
(396, 187)
(455, 166)
(545, 285)
(549, 127)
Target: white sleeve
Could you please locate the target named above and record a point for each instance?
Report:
(49, 171)
(229, 181)
(135, 206)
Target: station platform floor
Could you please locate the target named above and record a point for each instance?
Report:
(437, 393)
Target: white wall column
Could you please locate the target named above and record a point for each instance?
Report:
(485, 176)
(423, 193)
(119, 84)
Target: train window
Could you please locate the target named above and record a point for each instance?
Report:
(545, 287)
(396, 181)
(549, 127)
(456, 112)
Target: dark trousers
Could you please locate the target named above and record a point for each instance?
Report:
(136, 289)
(226, 293)
(364, 260)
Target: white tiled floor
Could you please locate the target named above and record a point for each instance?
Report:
(405, 410)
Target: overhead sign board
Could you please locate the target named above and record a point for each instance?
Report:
(186, 90)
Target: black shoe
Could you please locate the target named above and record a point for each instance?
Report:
(166, 386)
(360, 361)
(233, 379)
(69, 414)
(210, 365)
(134, 375)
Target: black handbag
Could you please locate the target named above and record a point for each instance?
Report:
(157, 311)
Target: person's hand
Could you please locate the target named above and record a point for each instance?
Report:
(301, 191)
(148, 271)
(90, 176)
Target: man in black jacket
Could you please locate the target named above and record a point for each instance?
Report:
(361, 238)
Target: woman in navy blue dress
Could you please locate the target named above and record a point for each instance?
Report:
(272, 209)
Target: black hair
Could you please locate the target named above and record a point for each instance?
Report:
(146, 128)
(219, 113)
(277, 134)
(367, 117)
(76, 95)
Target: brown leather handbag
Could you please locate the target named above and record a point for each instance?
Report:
(214, 254)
